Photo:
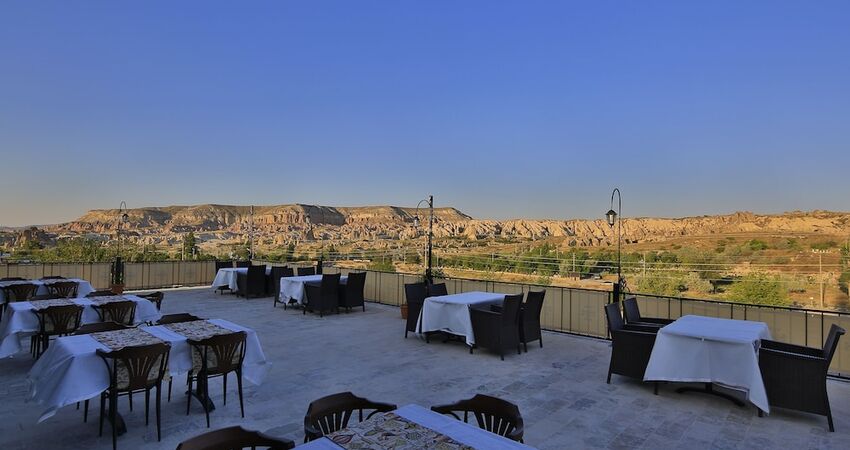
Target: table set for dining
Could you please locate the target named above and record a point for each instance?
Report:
(83, 287)
(451, 313)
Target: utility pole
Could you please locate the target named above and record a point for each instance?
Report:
(820, 274)
(251, 235)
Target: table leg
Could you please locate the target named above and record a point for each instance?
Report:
(205, 401)
(709, 389)
(119, 425)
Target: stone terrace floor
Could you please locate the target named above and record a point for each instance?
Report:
(560, 389)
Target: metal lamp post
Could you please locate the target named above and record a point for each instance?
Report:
(309, 221)
(430, 200)
(123, 217)
(612, 217)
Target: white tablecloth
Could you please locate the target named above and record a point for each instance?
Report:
(227, 276)
(450, 313)
(19, 320)
(70, 370)
(293, 287)
(83, 289)
(460, 431)
(710, 350)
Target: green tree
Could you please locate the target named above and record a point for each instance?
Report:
(190, 246)
(759, 288)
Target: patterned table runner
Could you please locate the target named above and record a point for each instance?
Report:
(104, 299)
(391, 431)
(131, 337)
(38, 305)
(197, 330)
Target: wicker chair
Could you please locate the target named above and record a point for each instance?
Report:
(62, 289)
(304, 271)
(123, 312)
(100, 293)
(232, 438)
(99, 327)
(133, 370)
(795, 376)
(415, 294)
(529, 329)
(13, 279)
(322, 297)
(332, 413)
(437, 290)
(492, 414)
(212, 357)
(222, 265)
(155, 298)
(243, 264)
(253, 283)
(177, 318)
(60, 320)
(20, 292)
(52, 277)
(273, 286)
(633, 317)
(351, 295)
(631, 346)
(497, 331)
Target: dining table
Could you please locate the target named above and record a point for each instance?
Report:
(20, 319)
(70, 371)
(292, 288)
(450, 313)
(412, 427)
(228, 276)
(83, 287)
(711, 351)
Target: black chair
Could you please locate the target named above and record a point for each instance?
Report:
(324, 296)
(133, 370)
(437, 290)
(497, 331)
(52, 277)
(529, 330)
(332, 413)
(304, 271)
(123, 312)
(20, 292)
(62, 289)
(155, 298)
(177, 318)
(631, 346)
(99, 327)
(13, 279)
(351, 295)
(273, 286)
(234, 437)
(216, 356)
(223, 265)
(59, 320)
(492, 414)
(633, 317)
(243, 264)
(795, 376)
(100, 293)
(253, 283)
(415, 294)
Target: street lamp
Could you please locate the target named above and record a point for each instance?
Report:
(123, 217)
(430, 200)
(310, 235)
(612, 217)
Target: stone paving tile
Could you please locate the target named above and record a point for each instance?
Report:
(560, 389)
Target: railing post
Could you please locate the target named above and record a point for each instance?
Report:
(616, 293)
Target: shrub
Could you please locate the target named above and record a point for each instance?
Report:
(761, 289)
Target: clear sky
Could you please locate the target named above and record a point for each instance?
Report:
(501, 109)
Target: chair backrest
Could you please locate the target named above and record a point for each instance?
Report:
(99, 327)
(436, 290)
(232, 438)
(510, 309)
(12, 279)
(100, 293)
(415, 294)
(354, 287)
(62, 289)
(177, 318)
(20, 292)
(59, 319)
(123, 312)
(278, 272)
(631, 310)
(255, 273)
(242, 264)
(287, 272)
(332, 413)
(831, 342)
(223, 265)
(533, 305)
(53, 277)
(330, 286)
(155, 297)
(222, 353)
(302, 271)
(612, 314)
(492, 414)
(136, 367)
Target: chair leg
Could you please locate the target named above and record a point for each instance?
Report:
(206, 397)
(170, 379)
(102, 408)
(239, 383)
(761, 413)
(608, 381)
(113, 407)
(525, 345)
(541, 340)
(86, 411)
(655, 388)
(829, 416)
(405, 334)
(147, 406)
(130, 399)
(224, 388)
(158, 407)
(189, 397)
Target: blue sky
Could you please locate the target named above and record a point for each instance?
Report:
(501, 109)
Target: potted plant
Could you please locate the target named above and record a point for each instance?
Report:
(404, 310)
(117, 275)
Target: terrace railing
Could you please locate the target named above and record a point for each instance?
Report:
(568, 310)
